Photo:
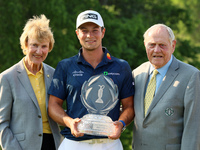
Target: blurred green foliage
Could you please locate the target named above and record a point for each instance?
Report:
(125, 23)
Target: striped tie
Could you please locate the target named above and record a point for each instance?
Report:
(150, 91)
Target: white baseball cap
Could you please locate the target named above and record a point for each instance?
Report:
(89, 16)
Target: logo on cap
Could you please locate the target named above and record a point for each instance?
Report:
(89, 16)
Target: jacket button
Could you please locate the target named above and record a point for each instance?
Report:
(40, 135)
(39, 116)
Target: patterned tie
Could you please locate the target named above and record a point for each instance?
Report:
(150, 91)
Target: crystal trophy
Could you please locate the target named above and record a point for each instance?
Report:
(99, 95)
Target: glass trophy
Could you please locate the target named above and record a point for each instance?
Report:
(99, 95)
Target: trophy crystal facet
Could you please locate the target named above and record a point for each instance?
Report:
(99, 95)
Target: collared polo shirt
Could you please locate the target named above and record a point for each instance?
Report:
(71, 73)
(38, 84)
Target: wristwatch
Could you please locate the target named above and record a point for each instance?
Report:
(124, 125)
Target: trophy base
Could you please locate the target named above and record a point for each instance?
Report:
(96, 125)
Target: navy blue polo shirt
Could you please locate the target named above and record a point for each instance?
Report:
(71, 73)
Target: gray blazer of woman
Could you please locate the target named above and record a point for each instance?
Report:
(20, 116)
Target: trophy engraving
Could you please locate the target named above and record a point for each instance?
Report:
(99, 95)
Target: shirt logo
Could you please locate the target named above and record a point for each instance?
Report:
(111, 73)
(89, 16)
(77, 73)
(108, 56)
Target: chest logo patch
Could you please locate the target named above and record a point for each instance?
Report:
(78, 73)
(169, 111)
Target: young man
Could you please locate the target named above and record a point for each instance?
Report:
(71, 73)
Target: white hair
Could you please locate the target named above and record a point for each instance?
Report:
(171, 33)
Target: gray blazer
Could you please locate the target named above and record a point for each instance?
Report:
(20, 117)
(173, 119)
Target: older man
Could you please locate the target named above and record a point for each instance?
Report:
(166, 98)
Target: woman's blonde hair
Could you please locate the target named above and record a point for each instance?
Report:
(37, 28)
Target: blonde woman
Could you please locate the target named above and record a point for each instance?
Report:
(24, 122)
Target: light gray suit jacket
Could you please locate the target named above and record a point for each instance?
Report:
(173, 119)
(20, 116)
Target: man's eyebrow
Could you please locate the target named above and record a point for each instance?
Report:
(82, 28)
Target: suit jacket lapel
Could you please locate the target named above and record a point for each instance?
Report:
(144, 79)
(141, 76)
(167, 81)
(47, 80)
(23, 77)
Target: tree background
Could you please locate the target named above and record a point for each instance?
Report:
(125, 23)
